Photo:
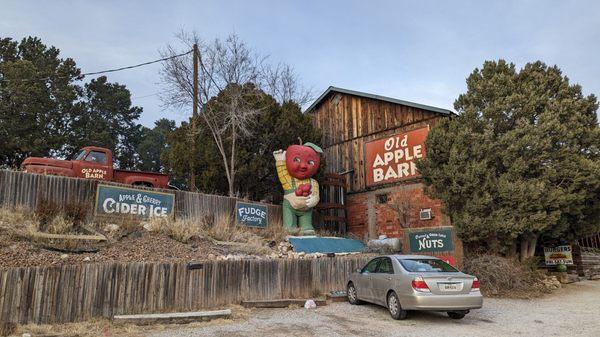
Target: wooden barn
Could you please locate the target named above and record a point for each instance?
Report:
(373, 142)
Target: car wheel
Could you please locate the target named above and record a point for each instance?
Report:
(394, 307)
(352, 295)
(456, 315)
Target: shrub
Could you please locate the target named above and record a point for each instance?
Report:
(500, 276)
(45, 211)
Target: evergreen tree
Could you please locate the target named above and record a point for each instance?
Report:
(38, 98)
(520, 162)
(152, 143)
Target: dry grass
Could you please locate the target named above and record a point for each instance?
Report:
(182, 230)
(17, 218)
(104, 327)
(221, 230)
(97, 327)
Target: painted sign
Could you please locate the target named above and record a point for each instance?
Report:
(431, 240)
(251, 215)
(93, 173)
(558, 255)
(393, 159)
(143, 204)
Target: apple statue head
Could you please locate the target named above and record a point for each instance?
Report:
(302, 161)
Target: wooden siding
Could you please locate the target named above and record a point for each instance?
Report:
(353, 121)
(73, 293)
(19, 189)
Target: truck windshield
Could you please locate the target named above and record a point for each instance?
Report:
(80, 155)
(426, 265)
(96, 157)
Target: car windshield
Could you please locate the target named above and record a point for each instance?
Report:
(426, 265)
(80, 155)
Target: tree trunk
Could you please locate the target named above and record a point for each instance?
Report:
(232, 164)
(512, 251)
(528, 243)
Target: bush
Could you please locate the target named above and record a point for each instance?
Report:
(500, 276)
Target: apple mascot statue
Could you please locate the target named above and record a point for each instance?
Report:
(295, 167)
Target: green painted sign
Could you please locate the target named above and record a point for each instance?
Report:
(431, 240)
(252, 215)
(124, 201)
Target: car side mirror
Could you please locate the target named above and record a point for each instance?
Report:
(358, 270)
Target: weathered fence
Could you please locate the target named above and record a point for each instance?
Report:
(27, 190)
(590, 260)
(73, 293)
(590, 242)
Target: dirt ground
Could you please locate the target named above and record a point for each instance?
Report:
(571, 311)
(138, 247)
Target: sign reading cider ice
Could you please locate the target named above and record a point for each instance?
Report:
(392, 159)
(131, 202)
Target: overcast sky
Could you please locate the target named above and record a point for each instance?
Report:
(420, 51)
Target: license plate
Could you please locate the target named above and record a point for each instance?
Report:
(450, 286)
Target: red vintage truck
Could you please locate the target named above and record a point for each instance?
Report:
(93, 162)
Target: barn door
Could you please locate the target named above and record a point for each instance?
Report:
(331, 213)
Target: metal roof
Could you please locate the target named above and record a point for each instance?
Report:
(377, 97)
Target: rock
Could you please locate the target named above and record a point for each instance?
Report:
(301, 253)
(111, 227)
(310, 304)
(87, 259)
(26, 335)
(64, 256)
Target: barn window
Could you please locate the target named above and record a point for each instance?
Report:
(382, 198)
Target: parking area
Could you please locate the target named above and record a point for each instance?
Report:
(571, 311)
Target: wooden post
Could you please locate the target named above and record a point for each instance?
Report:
(194, 118)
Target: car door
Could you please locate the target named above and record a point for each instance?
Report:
(381, 280)
(363, 281)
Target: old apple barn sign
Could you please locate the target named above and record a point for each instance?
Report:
(393, 158)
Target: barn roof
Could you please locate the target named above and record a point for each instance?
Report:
(377, 97)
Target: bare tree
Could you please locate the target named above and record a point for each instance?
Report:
(227, 67)
(404, 207)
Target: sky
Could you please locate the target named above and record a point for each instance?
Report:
(420, 51)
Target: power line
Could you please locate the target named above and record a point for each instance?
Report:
(154, 94)
(103, 71)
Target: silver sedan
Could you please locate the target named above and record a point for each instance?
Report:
(414, 282)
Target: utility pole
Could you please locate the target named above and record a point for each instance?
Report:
(196, 57)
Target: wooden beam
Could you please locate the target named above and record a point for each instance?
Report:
(176, 317)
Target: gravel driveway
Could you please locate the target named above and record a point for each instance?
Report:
(571, 311)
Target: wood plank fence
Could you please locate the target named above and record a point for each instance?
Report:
(73, 293)
(26, 190)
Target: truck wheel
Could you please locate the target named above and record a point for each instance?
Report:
(395, 308)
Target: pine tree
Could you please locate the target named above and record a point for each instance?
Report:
(520, 162)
